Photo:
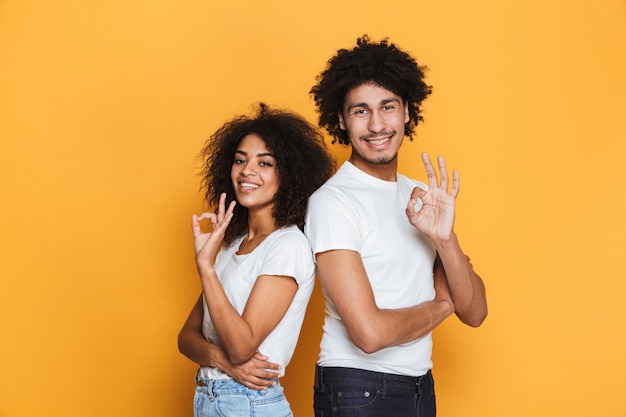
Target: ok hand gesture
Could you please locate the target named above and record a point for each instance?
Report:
(207, 244)
(435, 218)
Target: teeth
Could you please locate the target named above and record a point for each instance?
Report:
(248, 185)
(378, 142)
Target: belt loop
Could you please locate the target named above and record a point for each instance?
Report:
(206, 384)
(319, 377)
(383, 386)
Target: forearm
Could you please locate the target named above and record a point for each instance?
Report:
(194, 346)
(235, 334)
(371, 328)
(466, 287)
(393, 327)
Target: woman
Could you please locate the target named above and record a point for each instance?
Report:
(259, 172)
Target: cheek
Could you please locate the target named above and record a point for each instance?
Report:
(276, 181)
(355, 126)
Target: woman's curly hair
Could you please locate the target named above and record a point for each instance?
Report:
(302, 163)
(382, 63)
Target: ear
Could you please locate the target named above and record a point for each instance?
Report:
(406, 113)
(342, 124)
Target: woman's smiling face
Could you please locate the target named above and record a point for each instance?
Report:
(254, 174)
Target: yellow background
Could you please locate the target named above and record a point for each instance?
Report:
(105, 105)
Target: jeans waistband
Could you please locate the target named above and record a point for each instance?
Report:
(231, 385)
(382, 381)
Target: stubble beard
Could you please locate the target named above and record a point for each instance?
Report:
(382, 159)
(378, 159)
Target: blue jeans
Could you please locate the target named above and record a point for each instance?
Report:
(350, 392)
(228, 398)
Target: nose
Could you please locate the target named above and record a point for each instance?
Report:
(246, 170)
(376, 122)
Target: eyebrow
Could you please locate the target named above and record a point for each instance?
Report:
(382, 103)
(238, 151)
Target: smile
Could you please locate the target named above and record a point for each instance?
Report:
(377, 141)
(248, 185)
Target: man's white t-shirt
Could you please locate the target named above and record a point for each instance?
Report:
(284, 252)
(356, 211)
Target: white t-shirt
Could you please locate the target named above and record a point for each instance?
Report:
(284, 252)
(356, 211)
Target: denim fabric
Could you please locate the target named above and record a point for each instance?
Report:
(349, 392)
(228, 398)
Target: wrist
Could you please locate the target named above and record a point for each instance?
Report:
(207, 272)
(219, 359)
(446, 306)
(443, 243)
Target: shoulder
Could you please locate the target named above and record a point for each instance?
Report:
(411, 183)
(288, 238)
(337, 188)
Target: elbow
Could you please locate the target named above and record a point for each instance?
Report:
(181, 342)
(369, 348)
(238, 356)
(367, 340)
(476, 319)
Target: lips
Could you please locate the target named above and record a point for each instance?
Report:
(377, 141)
(248, 186)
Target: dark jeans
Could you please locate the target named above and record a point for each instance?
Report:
(350, 392)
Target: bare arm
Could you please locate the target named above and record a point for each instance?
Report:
(466, 287)
(371, 328)
(436, 220)
(253, 373)
(240, 335)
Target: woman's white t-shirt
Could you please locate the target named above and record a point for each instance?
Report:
(286, 252)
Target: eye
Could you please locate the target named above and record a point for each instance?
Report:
(388, 107)
(266, 164)
(239, 161)
(360, 112)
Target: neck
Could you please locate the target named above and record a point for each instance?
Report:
(259, 227)
(261, 223)
(385, 171)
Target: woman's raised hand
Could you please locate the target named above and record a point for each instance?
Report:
(207, 244)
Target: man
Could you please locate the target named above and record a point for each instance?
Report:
(387, 255)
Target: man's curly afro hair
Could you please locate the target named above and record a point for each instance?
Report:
(382, 63)
(302, 163)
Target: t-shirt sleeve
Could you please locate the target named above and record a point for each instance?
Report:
(332, 222)
(289, 255)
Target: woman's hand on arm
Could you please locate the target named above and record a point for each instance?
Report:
(253, 373)
(256, 373)
(241, 335)
(271, 296)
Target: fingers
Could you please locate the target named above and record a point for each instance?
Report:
(223, 216)
(258, 384)
(221, 207)
(257, 372)
(264, 362)
(456, 184)
(231, 209)
(443, 175)
(430, 171)
(197, 219)
(415, 202)
(222, 213)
